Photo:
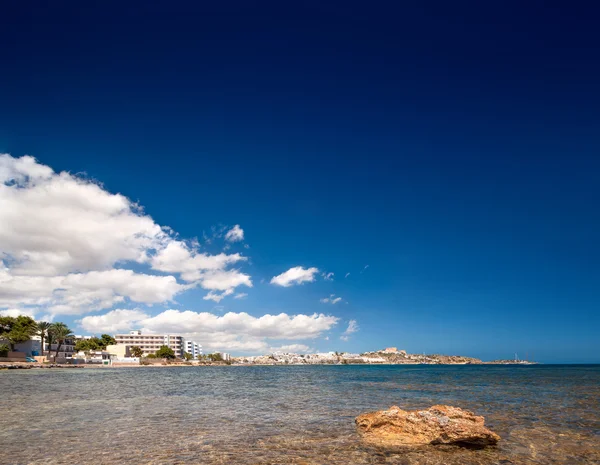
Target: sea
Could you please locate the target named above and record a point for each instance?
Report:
(545, 414)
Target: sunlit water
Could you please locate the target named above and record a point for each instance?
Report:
(289, 414)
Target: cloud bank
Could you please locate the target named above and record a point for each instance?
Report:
(232, 331)
(71, 247)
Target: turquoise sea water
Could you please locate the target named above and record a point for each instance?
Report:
(546, 414)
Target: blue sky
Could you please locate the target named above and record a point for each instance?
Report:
(453, 149)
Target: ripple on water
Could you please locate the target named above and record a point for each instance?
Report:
(289, 415)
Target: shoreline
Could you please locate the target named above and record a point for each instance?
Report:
(30, 366)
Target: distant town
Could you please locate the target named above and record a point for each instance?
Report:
(24, 341)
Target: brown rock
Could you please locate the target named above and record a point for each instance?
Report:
(440, 424)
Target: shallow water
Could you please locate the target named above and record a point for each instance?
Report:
(546, 414)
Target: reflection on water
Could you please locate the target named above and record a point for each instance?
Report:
(289, 415)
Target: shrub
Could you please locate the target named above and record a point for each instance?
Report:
(165, 352)
(4, 349)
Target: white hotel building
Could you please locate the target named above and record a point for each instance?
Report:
(150, 343)
(192, 347)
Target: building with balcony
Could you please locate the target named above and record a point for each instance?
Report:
(192, 347)
(66, 350)
(150, 343)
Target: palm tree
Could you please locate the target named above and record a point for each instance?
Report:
(60, 332)
(42, 330)
(136, 351)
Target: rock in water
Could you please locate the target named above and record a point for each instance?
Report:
(440, 424)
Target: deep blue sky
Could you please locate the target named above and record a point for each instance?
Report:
(454, 147)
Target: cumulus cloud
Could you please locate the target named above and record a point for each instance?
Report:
(235, 234)
(351, 329)
(291, 349)
(332, 299)
(52, 224)
(69, 245)
(177, 257)
(113, 322)
(15, 312)
(84, 292)
(216, 296)
(296, 275)
(231, 332)
(225, 280)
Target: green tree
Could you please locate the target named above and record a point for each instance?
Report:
(151, 356)
(188, 356)
(4, 349)
(42, 331)
(136, 351)
(17, 330)
(60, 333)
(106, 340)
(216, 357)
(165, 352)
(87, 345)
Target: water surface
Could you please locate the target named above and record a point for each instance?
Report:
(289, 414)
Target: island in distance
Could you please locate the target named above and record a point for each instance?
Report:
(389, 356)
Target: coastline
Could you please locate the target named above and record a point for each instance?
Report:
(28, 366)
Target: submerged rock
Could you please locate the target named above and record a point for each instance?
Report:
(440, 424)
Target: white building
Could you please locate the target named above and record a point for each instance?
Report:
(101, 357)
(33, 347)
(150, 343)
(66, 350)
(192, 347)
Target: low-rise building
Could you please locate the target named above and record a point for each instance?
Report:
(101, 357)
(33, 347)
(30, 348)
(119, 350)
(65, 350)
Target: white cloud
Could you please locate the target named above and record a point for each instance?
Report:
(235, 234)
(240, 295)
(296, 275)
(332, 299)
(347, 274)
(78, 293)
(68, 244)
(328, 276)
(113, 321)
(365, 268)
(224, 280)
(229, 332)
(351, 329)
(217, 297)
(177, 257)
(292, 349)
(15, 312)
(52, 224)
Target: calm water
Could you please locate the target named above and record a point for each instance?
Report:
(289, 415)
